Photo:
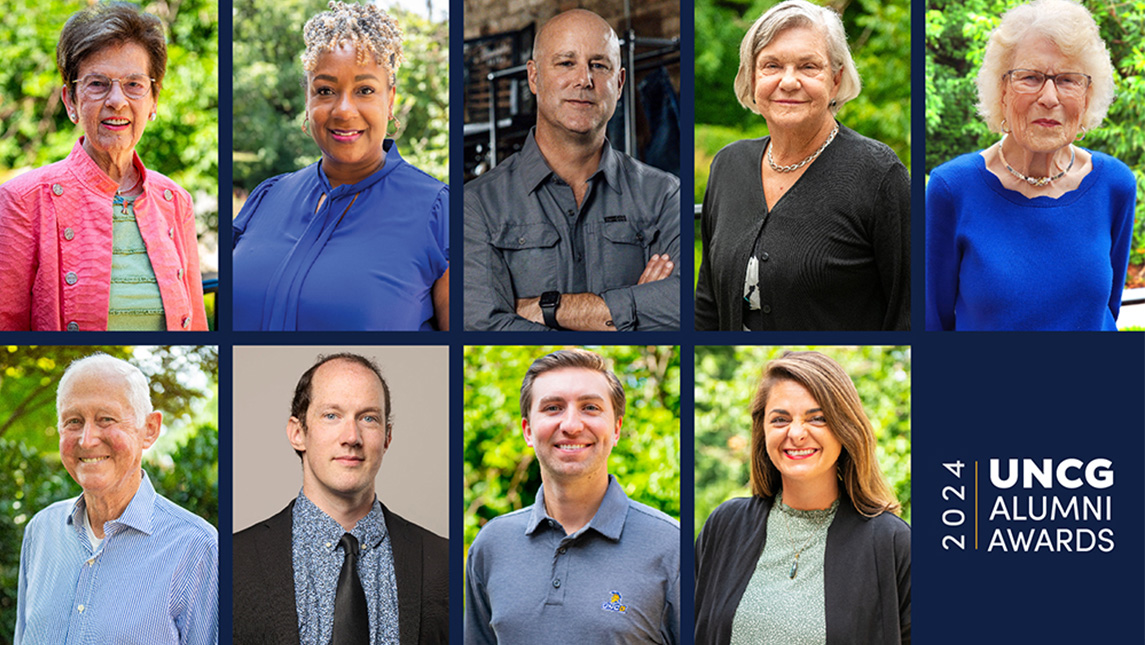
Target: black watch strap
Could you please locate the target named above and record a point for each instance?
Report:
(550, 300)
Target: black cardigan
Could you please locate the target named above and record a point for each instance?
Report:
(836, 247)
(866, 573)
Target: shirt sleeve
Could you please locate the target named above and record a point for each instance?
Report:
(941, 255)
(18, 263)
(250, 206)
(892, 246)
(670, 629)
(490, 302)
(198, 620)
(653, 305)
(1124, 206)
(22, 580)
(440, 217)
(194, 283)
(478, 629)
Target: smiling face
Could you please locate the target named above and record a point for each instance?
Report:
(113, 124)
(576, 75)
(101, 444)
(793, 80)
(349, 107)
(1047, 120)
(344, 436)
(799, 441)
(572, 425)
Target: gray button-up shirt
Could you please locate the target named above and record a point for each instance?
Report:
(616, 580)
(525, 235)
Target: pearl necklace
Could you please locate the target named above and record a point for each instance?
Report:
(1036, 181)
(794, 167)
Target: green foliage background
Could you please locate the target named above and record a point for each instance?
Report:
(956, 36)
(501, 473)
(182, 143)
(878, 33)
(726, 381)
(183, 465)
(270, 98)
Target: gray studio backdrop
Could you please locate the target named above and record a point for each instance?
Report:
(414, 478)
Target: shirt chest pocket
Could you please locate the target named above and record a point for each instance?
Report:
(624, 249)
(533, 255)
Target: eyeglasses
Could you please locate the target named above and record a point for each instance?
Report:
(96, 87)
(1030, 81)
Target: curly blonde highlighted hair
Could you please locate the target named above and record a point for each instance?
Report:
(370, 30)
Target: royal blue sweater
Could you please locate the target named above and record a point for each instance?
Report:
(997, 260)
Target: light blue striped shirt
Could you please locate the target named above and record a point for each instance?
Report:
(154, 579)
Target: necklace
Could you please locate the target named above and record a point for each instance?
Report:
(138, 180)
(826, 515)
(794, 167)
(1036, 181)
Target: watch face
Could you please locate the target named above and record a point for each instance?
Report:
(550, 298)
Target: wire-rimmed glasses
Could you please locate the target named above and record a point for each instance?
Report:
(96, 87)
(1031, 81)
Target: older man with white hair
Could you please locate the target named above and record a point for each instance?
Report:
(120, 563)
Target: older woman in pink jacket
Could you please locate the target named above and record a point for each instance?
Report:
(97, 241)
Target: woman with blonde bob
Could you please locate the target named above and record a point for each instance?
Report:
(1033, 233)
(807, 228)
(816, 554)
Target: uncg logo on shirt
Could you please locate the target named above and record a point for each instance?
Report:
(614, 603)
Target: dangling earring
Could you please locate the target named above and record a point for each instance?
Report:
(1081, 135)
(152, 117)
(397, 123)
(72, 116)
(1005, 130)
(305, 121)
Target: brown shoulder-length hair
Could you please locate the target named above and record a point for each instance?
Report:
(833, 390)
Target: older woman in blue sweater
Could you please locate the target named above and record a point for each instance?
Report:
(1033, 233)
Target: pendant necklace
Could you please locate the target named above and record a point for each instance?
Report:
(1036, 181)
(827, 514)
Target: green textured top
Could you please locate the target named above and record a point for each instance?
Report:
(135, 303)
(777, 609)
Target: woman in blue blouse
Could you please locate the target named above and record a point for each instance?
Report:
(359, 240)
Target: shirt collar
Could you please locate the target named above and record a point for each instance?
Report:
(535, 170)
(608, 520)
(92, 176)
(370, 530)
(392, 161)
(137, 515)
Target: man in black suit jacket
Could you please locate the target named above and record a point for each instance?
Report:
(340, 428)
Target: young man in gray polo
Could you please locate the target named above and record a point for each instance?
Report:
(583, 563)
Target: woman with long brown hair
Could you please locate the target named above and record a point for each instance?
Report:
(837, 565)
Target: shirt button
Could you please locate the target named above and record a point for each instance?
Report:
(767, 309)
(186, 322)
(179, 273)
(640, 236)
(69, 233)
(521, 241)
(764, 256)
(556, 585)
(167, 194)
(57, 189)
(571, 212)
(328, 545)
(562, 550)
(171, 232)
(73, 326)
(80, 608)
(71, 277)
(552, 524)
(91, 562)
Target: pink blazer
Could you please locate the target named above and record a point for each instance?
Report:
(55, 247)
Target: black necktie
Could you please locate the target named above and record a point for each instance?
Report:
(351, 618)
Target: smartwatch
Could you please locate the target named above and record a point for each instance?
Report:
(550, 300)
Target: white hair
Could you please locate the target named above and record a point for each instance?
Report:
(138, 391)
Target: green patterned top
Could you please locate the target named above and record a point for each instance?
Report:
(135, 303)
(776, 608)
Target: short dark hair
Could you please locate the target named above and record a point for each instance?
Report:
(303, 391)
(571, 358)
(111, 23)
